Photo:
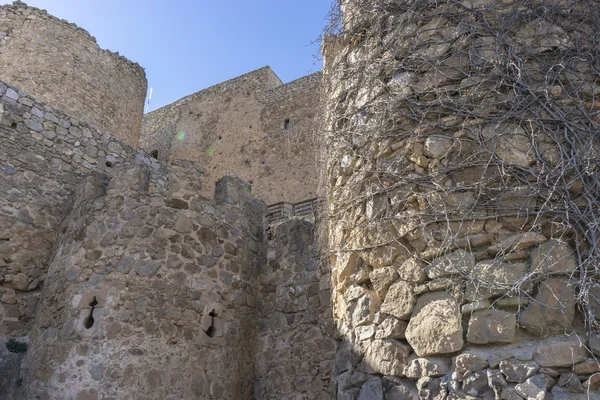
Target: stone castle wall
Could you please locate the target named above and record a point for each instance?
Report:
(44, 154)
(464, 250)
(63, 66)
(295, 344)
(238, 127)
(150, 291)
(84, 216)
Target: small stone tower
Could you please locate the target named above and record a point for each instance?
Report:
(150, 296)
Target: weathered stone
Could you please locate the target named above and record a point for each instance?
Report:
(431, 389)
(571, 382)
(399, 389)
(382, 278)
(492, 326)
(371, 390)
(469, 362)
(553, 310)
(492, 278)
(423, 367)
(533, 388)
(496, 382)
(459, 262)
(437, 146)
(553, 256)
(519, 241)
(561, 353)
(412, 270)
(476, 306)
(399, 300)
(559, 393)
(183, 224)
(476, 384)
(364, 310)
(114, 147)
(386, 356)
(517, 371)
(435, 325)
(391, 328)
(586, 368)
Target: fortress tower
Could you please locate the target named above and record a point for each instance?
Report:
(150, 296)
(62, 65)
(463, 213)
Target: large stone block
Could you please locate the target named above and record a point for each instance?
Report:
(492, 326)
(399, 300)
(386, 356)
(561, 353)
(435, 326)
(553, 310)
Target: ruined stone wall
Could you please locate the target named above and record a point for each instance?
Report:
(150, 296)
(288, 152)
(237, 127)
(43, 155)
(63, 66)
(462, 145)
(295, 344)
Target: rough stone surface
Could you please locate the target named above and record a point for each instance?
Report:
(386, 356)
(518, 371)
(553, 310)
(399, 300)
(252, 126)
(93, 85)
(435, 326)
(561, 354)
(492, 326)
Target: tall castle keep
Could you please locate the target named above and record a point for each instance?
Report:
(459, 250)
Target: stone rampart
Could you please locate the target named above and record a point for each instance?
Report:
(463, 216)
(62, 65)
(152, 291)
(295, 342)
(251, 126)
(43, 156)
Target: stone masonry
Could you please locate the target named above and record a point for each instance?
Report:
(62, 65)
(457, 272)
(252, 126)
(458, 257)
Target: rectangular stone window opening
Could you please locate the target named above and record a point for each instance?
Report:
(286, 124)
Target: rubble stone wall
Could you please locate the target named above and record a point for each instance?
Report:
(463, 249)
(239, 127)
(150, 296)
(295, 342)
(44, 154)
(62, 65)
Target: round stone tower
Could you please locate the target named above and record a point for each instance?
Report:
(62, 65)
(463, 149)
(150, 296)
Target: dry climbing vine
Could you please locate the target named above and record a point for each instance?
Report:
(460, 124)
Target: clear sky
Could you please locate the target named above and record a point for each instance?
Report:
(188, 45)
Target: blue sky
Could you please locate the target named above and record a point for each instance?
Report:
(188, 45)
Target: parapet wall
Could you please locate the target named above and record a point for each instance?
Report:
(63, 66)
(463, 216)
(252, 126)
